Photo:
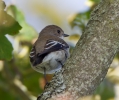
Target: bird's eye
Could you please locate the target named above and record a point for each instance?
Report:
(58, 31)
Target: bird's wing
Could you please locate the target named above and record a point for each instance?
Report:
(32, 52)
(53, 45)
(34, 58)
(50, 46)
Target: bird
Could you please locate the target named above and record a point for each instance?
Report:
(50, 51)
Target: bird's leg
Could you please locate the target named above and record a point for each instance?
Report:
(45, 75)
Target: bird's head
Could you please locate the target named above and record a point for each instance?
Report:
(54, 30)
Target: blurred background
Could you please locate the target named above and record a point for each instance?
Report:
(18, 81)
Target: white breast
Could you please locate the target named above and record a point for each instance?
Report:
(53, 59)
(50, 62)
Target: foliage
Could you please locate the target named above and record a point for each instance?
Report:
(27, 33)
(80, 20)
(4, 45)
(8, 25)
(11, 83)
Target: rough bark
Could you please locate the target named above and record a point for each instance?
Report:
(91, 58)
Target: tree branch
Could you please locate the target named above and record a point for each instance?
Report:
(91, 58)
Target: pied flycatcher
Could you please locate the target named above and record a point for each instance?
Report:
(50, 51)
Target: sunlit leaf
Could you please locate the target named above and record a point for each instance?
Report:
(95, 1)
(5, 48)
(2, 5)
(74, 37)
(8, 25)
(27, 33)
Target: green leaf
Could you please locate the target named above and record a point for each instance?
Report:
(27, 33)
(8, 25)
(5, 48)
(2, 5)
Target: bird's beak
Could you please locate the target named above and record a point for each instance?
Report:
(65, 35)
